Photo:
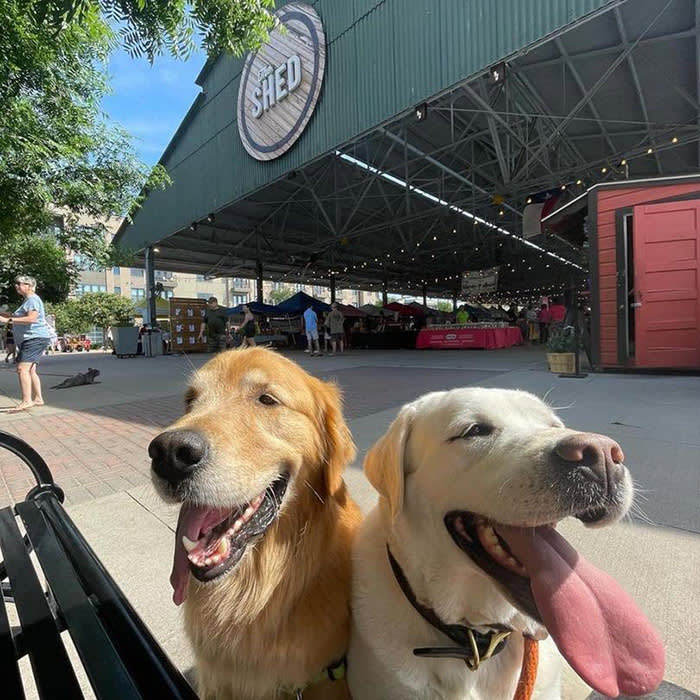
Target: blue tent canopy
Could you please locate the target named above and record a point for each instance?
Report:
(256, 307)
(301, 301)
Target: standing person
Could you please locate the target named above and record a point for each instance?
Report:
(311, 330)
(10, 347)
(544, 317)
(558, 311)
(247, 330)
(335, 323)
(533, 329)
(32, 335)
(215, 324)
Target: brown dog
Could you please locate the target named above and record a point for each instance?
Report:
(262, 557)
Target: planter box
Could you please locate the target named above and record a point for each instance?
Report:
(562, 362)
(125, 339)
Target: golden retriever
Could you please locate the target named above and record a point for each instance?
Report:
(263, 546)
(472, 482)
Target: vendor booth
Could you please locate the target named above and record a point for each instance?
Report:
(468, 336)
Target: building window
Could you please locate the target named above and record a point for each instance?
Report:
(117, 290)
(237, 299)
(138, 293)
(203, 295)
(116, 271)
(240, 283)
(201, 278)
(168, 294)
(86, 288)
(319, 291)
(137, 272)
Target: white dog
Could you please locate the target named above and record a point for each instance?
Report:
(462, 549)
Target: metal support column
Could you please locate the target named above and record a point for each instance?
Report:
(332, 285)
(385, 298)
(425, 295)
(150, 321)
(259, 280)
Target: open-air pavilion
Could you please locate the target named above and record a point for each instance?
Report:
(441, 131)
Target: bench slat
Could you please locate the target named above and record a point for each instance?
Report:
(149, 666)
(52, 669)
(104, 668)
(9, 669)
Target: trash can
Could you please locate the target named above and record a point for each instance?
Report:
(125, 339)
(153, 342)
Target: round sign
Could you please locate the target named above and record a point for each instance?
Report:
(281, 82)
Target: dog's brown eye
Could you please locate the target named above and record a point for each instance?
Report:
(477, 430)
(267, 400)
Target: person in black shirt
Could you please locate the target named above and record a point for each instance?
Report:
(215, 326)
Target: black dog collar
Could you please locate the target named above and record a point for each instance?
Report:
(473, 646)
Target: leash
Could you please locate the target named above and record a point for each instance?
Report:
(528, 671)
(474, 647)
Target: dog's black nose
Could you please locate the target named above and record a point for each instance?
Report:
(176, 454)
(598, 454)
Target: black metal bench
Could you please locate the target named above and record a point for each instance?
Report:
(121, 658)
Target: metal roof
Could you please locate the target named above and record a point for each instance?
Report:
(593, 92)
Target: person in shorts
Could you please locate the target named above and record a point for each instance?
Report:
(336, 321)
(311, 330)
(10, 348)
(32, 336)
(215, 325)
(247, 329)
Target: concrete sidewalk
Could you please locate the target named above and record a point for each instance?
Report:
(94, 439)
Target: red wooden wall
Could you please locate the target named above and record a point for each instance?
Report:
(609, 201)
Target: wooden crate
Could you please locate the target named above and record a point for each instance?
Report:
(562, 362)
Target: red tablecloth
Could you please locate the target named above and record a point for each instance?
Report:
(488, 338)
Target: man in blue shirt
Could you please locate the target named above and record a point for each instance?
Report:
(311, 329)
(32, 337)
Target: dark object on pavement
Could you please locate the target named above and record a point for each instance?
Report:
(79, 379)
(666, 691)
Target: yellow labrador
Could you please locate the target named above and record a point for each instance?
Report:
(462, 550)
(263, 547)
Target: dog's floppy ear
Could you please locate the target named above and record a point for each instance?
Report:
(338, 445)
(384, 463)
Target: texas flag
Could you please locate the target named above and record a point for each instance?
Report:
(542, 204)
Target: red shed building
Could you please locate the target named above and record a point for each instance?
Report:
(644, 251)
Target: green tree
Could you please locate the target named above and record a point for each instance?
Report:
(41, 257)
(149, 27)
(70, 317)
(103, 309)
(279, 295)
(445, 306)
(61, 161)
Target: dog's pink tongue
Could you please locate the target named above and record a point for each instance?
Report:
(193, 521)
(595, 624)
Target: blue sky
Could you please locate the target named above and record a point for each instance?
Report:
(151, 101)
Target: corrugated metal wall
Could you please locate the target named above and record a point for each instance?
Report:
(384, 56)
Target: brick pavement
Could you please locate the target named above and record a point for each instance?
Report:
(91, 454)
(99, 451)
